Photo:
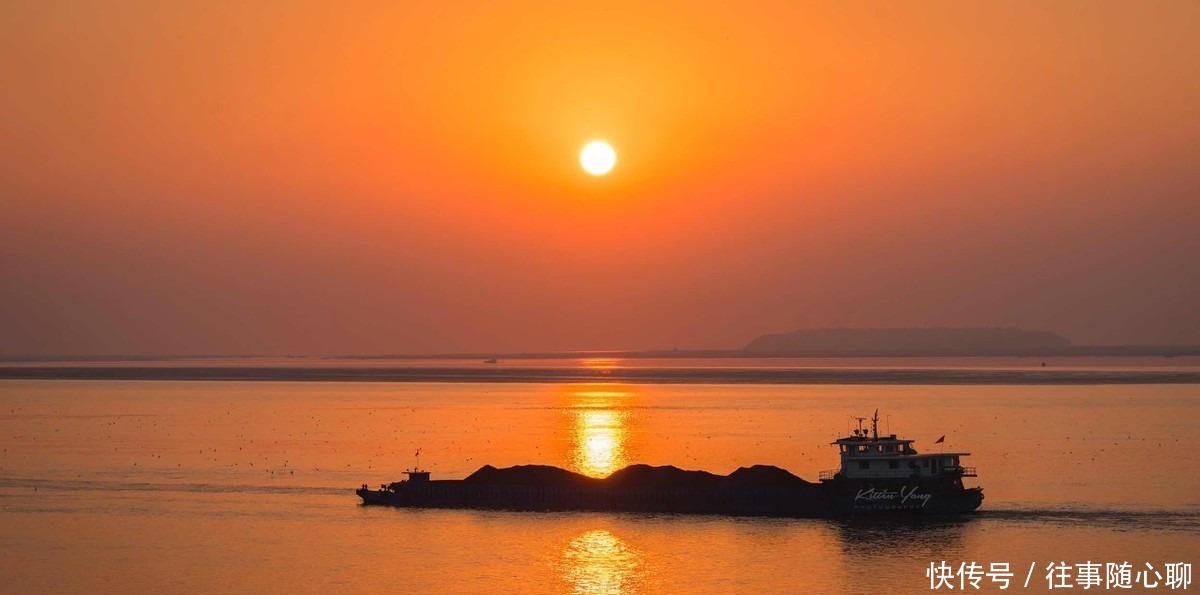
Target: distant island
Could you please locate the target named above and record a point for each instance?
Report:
(811, 343)
(910, 341)
(496, 367)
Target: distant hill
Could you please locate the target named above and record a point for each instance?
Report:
(910, 341)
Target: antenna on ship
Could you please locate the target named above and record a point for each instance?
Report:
(860, 431)
(418, 467)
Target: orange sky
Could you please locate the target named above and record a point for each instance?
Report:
(288, 177)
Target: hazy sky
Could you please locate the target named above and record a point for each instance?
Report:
(289, 177)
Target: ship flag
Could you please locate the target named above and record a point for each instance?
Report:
(940, 440)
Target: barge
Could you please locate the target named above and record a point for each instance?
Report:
(878, 475)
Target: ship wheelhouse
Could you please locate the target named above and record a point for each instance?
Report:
(867, 455)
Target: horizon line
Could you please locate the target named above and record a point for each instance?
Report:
(1128, 349)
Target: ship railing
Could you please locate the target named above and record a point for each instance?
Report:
(968, 472)
(828, 474)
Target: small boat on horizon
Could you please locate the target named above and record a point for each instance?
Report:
(877, 475)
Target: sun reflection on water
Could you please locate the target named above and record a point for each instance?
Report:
(600, 562)
(600, 431)
(600, 363)
(599, 439)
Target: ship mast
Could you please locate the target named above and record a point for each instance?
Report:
(875, 425)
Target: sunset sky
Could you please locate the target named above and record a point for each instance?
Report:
(385, 177)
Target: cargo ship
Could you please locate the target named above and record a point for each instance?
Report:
(879, 475)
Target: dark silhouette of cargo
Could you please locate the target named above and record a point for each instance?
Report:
(879, 475)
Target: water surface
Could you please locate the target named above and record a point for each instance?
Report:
(232, 487)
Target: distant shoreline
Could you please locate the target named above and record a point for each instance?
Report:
(1068, 351)
(786, 376)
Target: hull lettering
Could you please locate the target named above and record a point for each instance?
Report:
(882, 498)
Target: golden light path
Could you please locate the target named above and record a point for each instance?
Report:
(599, 435)
(598, 561)
(600, 431)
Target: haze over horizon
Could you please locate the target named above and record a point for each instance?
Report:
(281, 177)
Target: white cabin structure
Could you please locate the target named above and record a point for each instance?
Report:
(867, 455)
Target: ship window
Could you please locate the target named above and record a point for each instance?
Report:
(893, 464)
(864, 464)
(890, 448)
(863, 448)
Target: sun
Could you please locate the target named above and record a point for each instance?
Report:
(597, 158)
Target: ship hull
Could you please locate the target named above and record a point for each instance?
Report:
(836, 498)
